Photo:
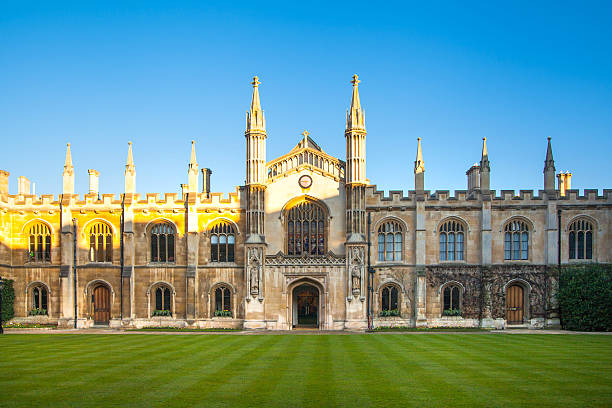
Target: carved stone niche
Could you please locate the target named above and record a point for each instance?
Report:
(355, 268)
(254, 271)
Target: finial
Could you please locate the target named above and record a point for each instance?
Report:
(549, 138)
(130, 143)
(305, 134)
(68, 144)
(355, 80)
(419, 139)
(255, 82)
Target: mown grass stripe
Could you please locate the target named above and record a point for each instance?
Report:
(332, 370)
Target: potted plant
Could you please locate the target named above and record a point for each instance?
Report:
(161, 313)
(451, 312)
(389, 313)
(223, 313)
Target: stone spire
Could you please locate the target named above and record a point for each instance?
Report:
(130, 172)
(419, 169)
(192, 170)
(255, 116)
(549, 169)
(68, 175)
(485, 169)
(355, 117)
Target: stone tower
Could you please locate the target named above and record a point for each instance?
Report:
(255, 187)
(356, 182)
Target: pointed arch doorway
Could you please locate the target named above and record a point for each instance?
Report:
(306, 306)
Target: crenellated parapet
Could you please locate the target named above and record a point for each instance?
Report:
(396, 198)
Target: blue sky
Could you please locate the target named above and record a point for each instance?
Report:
(99, 74)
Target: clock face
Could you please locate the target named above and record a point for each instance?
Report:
(305, 181)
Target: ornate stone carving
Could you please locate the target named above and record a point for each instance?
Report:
(254, 256)
(284, 260)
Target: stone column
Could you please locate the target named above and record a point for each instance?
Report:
(356, 286)
(193, 244)
(66, 276)
(420, 261)
(129, 258)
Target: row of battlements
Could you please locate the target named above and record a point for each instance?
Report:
(103, 200)
(398, 197)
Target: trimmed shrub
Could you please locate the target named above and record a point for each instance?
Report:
(8, 300)
(585, 297)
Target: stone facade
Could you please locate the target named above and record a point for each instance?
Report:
(204, 259)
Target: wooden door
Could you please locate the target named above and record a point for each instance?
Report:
(514, 304)
(101, 305)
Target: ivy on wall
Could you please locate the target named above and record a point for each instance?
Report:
(585, 297)
(8, 300)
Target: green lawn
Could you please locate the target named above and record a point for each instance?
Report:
(454, 370)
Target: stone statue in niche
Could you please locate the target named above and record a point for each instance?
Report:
(254, 267)
(356, 269)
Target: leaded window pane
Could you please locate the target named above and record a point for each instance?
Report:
(455, 298)
(580, 244)
(166, 299)
(442, 246)
(43, 299)
(159, 299)
(507, 245)
(524, 246)
(572, 245)
(394, 298)
(460, 246)
(447, 298)
(589, 245)
(451, 246)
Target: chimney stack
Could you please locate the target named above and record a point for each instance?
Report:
(4, 188)
(93, 181)
(564, 182)
(473, 177)
(206, 181)
(23, 186)
(184, 190)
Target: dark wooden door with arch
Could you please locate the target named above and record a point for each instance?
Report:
(101, 304)
(514, 304)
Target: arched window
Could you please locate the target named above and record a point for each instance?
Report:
(451, 301)
(38, 305)
(162, 242)
(100, 243)
(163, 297)
(516, 240)
(390, 241)
(222, 243)
(223, 301)
(451, 241)
(581, 239)
(40, 243)
(389, 305)
(306, 229)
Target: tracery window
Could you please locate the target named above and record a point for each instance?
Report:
(40, 243)
(306, 229)
(516, 240)
(223, 301)
(162, 242)
(451, 301)
(100, 243)
(581, 239)
(39, 300)
(163, 297)
(389, 301)
(451, 241)
(222, 243)
(390, 241)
